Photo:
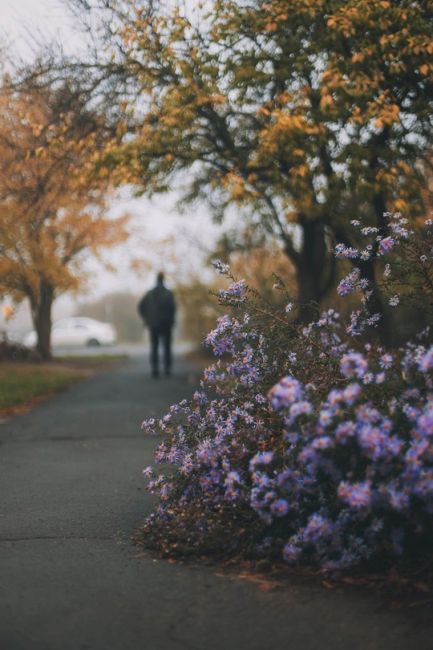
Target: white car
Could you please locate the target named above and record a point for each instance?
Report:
(77, 331)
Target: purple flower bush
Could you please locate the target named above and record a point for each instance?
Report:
(312, 444)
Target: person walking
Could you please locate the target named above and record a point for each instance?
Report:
(157, 308)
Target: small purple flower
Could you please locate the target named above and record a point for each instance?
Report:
(345, 252)
(148, 472)
(318, 528)
(425, 422)
(353, 364)
(235, 291)
(222, 268)
(300, 408)
(287, 391)
(398, 500)
(386, 245)
(291, 553)
(385, 361)
(323, 442)
(425, 363)
(357, 495)
(325, 417)
(232, 478)
(352, 282)
(351, 393)
(279, 507)
(148, 426)
(344, 431)
(262, 458)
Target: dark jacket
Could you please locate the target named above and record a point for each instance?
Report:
(157, 308)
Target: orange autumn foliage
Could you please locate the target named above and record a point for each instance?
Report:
(51, 210)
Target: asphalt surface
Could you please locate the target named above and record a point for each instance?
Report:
(71, 496)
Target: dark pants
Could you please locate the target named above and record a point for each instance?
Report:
(156, 336)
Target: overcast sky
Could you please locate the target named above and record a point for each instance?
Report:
(154, 222)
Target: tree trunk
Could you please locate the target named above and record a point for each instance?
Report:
(41, 315)
(314, 270)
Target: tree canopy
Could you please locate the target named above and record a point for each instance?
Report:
(307, 113)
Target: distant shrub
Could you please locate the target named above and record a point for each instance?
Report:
(11, 351)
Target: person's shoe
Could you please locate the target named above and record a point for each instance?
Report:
(168, 372)
(155, 374)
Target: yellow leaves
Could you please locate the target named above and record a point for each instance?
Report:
(388, 115)
(358, 57)
(169, 120)
(8, 311)
(419, 46)
(287, 129)
(332, 78)
(238, 188)
(351, 13)
(386, 177)
(237, 192)
(121, 128)
(404, 168)
(424, 69)
(180, 21)
(284, 98)
(400, 205)
(285, 121)
(326, 102)
(37, 129)
(217, 99)
(344, 21)
(129, 36)
(236, 185)
(292, 216)
(300, 171)
(275, 17)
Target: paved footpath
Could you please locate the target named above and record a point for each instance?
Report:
(71, 495)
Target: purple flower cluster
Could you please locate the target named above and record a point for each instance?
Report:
(351, 283)
(235, 292)
(333, 463)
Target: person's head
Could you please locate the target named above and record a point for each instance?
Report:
(160, 278)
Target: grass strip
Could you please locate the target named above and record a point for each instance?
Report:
(21, 383)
